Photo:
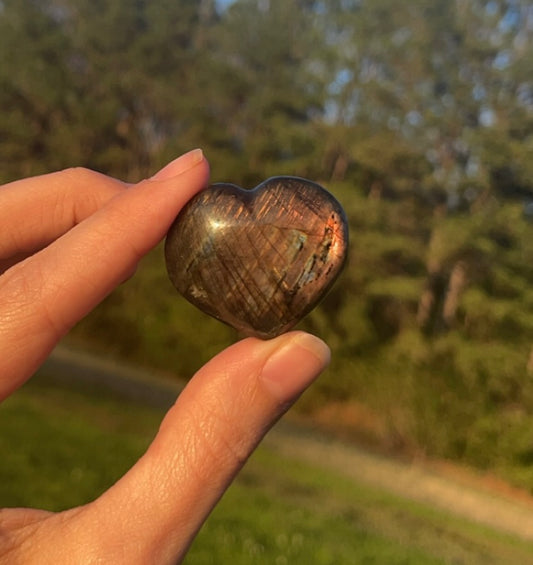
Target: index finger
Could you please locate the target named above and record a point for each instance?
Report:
(42, 297)
(37, 210)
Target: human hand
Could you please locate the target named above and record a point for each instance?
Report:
(67, 239)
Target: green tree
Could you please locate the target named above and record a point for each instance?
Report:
(262, 95)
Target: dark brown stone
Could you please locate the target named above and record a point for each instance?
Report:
(258, 260)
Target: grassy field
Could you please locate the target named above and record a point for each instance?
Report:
(63, 446)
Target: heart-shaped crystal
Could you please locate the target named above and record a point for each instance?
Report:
(258, 260)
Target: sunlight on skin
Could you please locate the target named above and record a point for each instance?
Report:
(84, 236)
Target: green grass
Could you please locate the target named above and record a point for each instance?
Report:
(62, 447)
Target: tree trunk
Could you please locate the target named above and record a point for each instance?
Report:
(456, 286)
(529, 366)
(376, 190)
(429, 299)
(339, 168)
(425, 307)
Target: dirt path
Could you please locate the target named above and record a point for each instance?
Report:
(459, 494)
(414, 481)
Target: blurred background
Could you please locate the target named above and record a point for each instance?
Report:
(417, 116)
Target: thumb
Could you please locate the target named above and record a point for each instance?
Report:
(203, 442)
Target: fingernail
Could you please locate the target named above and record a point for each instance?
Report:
(180, 165)
(295, 365)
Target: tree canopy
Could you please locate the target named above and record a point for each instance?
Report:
(417, 116)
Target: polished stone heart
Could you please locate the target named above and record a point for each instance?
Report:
(258, 260)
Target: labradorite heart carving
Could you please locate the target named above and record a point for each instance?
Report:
(258, 260)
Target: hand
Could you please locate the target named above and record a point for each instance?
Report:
(67, 239)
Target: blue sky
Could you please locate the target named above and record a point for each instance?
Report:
(224, 3)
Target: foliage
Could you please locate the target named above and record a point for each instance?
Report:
(418, 117)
